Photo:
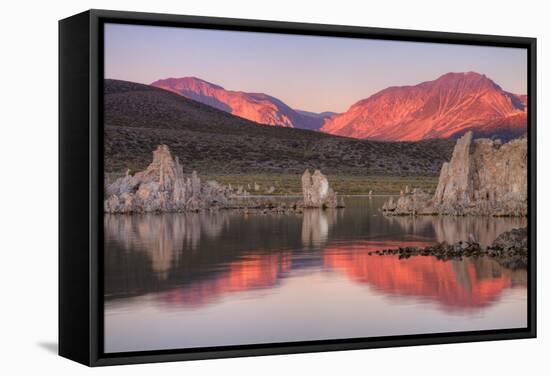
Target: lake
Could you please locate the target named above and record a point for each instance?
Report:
(227, 278)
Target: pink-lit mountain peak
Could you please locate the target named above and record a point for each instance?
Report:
(450, 83)
(469, 79)
(187, 82)
(441, 108)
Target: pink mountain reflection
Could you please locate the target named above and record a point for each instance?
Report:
(452, 285)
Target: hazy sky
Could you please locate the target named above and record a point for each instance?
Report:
(307, 72)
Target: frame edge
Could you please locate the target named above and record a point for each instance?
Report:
(74, 251)
(92, 356)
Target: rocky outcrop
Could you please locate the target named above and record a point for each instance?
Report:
(409, 202)
(317, 192)
(484, 177)
(162, 187)
(510, 248)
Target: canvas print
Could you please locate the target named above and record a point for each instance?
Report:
(265, 188)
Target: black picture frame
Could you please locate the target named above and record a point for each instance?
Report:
(81, 186)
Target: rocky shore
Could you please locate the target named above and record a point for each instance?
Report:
(484, 177)
(162, 187)
(509, 249)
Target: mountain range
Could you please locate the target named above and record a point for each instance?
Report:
(258, 107)
(137, 118)
(446, 107)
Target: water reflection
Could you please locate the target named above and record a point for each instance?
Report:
(255, 272)
(205, 279)
(316, 224)
(162, 237)
(194, 259)
(452, 229)
(454, 285)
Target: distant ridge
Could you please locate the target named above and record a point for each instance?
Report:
(258, 107)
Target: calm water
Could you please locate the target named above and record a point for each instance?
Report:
(194, 280)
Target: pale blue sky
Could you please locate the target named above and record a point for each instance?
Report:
(307, 72)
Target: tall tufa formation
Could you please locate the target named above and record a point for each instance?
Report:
(317, 192)
(162, 187)
(484, 177)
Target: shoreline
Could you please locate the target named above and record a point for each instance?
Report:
(300, 196)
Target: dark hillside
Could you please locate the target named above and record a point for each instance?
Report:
(139, 117)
